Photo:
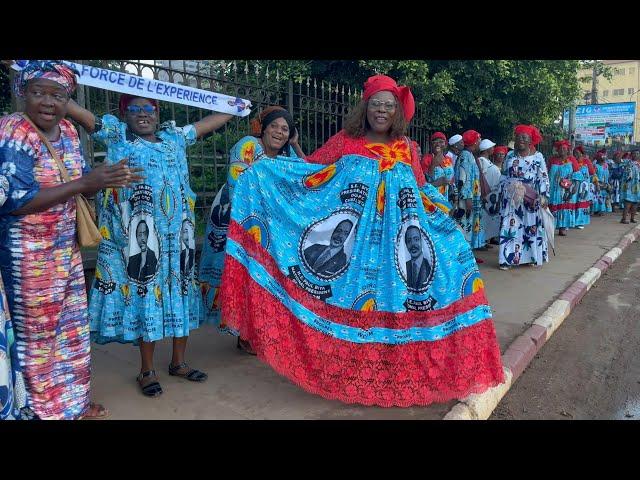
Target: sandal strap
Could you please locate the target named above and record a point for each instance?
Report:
(175, 368)
(148, 373)
(196, 374)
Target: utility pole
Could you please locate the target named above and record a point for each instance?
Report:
(594, 83)
(572, 125)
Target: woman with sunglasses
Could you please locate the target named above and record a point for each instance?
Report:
(349, 277)
(145, 287)
(273, 134)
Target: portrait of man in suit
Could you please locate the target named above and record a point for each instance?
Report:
(221, 213)
(142, 266)
(418, 268)
(328, 260)
(187, 254)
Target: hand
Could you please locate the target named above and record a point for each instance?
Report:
(294, 139)
(110, 176)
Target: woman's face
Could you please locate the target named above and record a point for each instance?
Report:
(499, 158)
(381, 109)
(437, 145)
(45, 103)
(522, 141)
(141, 116)
(276, 134)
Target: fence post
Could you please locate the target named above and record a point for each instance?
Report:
(290, 96)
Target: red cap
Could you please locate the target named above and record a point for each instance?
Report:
(562, 143)
(501, 149)
(382, 83)
(439, 135)
(470, 137)
(530, 130)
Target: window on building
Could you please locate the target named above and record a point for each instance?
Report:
(618, 91)
(630, 91)
(605, 93)
(618, 71)
(632, 70)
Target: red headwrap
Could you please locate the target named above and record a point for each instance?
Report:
(627, 155)
(439, 135)
(501, 149)
(561, 143)
(530, 130)
(382, 83)
(126, 99)
(470, 137)
(580, 149)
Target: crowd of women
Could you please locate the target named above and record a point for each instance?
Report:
(349, 270)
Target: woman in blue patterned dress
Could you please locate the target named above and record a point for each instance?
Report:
(145, 288)
(630, 185)
(273, 134)
(601, 201)
(522, 236)
(562, 190)
(582, 179)
(469, 212)
(438, 167)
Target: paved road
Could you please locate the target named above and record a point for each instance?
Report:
(590, 368)
(240, 386)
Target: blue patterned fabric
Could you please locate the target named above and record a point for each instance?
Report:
(562, 201)
(601, 200)
(630, 182)
(582, 181)
(243, 155)
(367, 231)
(522, 236)
(467, 177)
(145, 285)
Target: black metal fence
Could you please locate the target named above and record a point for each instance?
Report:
(318, 107)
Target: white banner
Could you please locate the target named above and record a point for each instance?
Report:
(149, 88)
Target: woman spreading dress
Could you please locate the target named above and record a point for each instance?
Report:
(350, 278)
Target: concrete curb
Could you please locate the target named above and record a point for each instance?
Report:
(522, 350)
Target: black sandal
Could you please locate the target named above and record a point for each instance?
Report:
(192, 374)
(152, 389)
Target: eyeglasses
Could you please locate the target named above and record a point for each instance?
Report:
(388, 106)
(144, 108)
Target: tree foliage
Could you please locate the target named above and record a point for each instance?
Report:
(490, 96)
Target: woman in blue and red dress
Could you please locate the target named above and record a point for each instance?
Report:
(367, 292)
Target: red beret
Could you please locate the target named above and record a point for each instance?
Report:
(501, 149)
(382, 83)
(562, 143)
(470, 137)
(439, 135)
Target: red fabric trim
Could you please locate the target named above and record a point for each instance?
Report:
(562, 206)
(417, 373)
(341, 144)
(583, 205)
(345, 316)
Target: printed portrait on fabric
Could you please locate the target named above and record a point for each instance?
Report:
(415, 257)
(221, 209)
(187, 248)
(326, 245)
(144, 249)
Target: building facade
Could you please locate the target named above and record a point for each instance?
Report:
(623, 87)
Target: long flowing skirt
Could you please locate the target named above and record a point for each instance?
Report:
(356, 285)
